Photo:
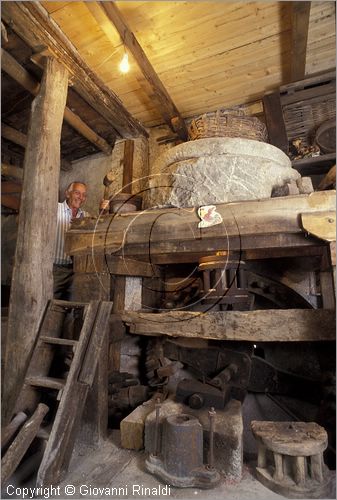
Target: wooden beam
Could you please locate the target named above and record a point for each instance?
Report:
(13, 135)
(17, 137)
(247, 225)
(20, 75)
(10, 201)
(275, 121)
(21, 443)
(127, 166)
(11, 187)
(167, 107)
(299, 31)
(120, 266)
(11, 171)
(32, 282)
(279, 325)
(35, 26)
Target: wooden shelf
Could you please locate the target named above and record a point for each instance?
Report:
(316, 165)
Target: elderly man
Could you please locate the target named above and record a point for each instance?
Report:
(70, 209)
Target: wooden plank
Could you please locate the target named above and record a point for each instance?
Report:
(10, 430)
(167, 108)
(127, 166)
(326, 279)
(300, 96)
(275, 122)
(320, 224)
(114, 265)
(168, 229)
(315, 166)
(321, 77)
(60, 444)
(299, 31)
(255, 326)
(94, 424)
(33, 24)
(20, 75)
(100, 330)
(32, 283)
(49, 382)
(21, 443)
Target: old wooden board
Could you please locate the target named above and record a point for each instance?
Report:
(320, 224)
(21, 443)
(167, 230)
(254, 326)
(274, 120)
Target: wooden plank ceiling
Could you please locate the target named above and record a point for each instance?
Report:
(207, 54)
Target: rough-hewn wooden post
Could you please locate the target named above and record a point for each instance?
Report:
(32, 281)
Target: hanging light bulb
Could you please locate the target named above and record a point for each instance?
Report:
(124, 65)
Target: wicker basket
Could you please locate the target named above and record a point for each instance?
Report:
(304, 118)
(227, 123)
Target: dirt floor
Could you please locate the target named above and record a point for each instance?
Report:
(115, 473)
(123, 474)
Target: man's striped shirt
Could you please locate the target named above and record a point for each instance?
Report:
(64, 217)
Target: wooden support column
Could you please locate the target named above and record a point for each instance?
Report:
(275, 121)
(32, 281)
(328, 277)
(127, 166)
(300, 24)
(127, 297)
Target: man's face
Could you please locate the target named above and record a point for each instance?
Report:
(77, 196)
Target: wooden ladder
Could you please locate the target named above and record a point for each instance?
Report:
(70, 389)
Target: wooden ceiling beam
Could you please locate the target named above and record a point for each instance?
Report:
(167, 107)
(17, 137)
(12, 171)
(300, 15)
(13, 135)
(32, 23)
(24, 78)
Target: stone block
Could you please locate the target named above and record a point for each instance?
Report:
(305, 185)
(218, 170)
(132, 426)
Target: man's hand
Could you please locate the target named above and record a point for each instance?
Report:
(104, 205)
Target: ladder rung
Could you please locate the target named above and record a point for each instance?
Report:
(69, 305)
(58, 341)
(49, 382)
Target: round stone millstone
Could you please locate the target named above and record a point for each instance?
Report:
(218, 170)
